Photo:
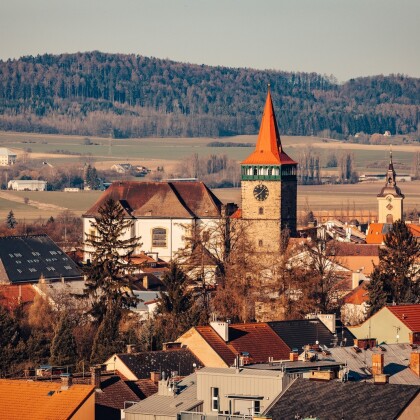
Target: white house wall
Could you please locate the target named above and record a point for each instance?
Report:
(175, 229)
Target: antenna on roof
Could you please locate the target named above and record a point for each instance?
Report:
(268, 86)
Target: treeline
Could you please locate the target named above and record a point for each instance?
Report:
(133, 96)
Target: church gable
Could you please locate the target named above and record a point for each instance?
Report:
(161, 200)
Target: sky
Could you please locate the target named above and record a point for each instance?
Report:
(344, 38)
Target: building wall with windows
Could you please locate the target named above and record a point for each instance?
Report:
(242, 391)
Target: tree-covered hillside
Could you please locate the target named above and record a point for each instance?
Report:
(133, 96)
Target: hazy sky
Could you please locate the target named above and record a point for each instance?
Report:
(346, 38)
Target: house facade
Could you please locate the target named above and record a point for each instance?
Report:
(7, 157)
(162, 213)
(27, 185)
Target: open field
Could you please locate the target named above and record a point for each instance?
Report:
(154, 152)
(318, 198)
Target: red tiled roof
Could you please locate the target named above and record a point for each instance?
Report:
(217, 344)
(348, 249)
(147, 387)
(357, 296)
(9, 295)
(259, 340)
(375, 233)
(408, 315)
(162, 199)
(268, 150)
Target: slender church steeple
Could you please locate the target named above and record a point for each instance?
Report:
(390, 199)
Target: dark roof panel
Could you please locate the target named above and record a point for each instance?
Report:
(179, 360)
(24, 259)
(337, 400)
(298, 333)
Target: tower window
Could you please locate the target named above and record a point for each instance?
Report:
(159, 237)
(389, 218)
(260, 242)
(255, 171)
(261, 210)
(270, 171)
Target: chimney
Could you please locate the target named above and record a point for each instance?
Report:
(377, 364)
(328, 320)
(155, 377)
(222, 328)
(171, 345)
(293, 356)
(355, 279)
(66, 381)
(415, 363)
(95, 376)
(146, 282)
(130, 348)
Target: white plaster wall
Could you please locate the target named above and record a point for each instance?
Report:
(175, 228)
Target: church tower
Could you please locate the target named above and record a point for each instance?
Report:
(269, 186)
(390, 199)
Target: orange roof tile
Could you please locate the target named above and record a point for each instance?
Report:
(408, 315)
(40, 400)
(357, 296)
(13, 295)
(268, 150)
(374, 234)
(237, 214)
(217, 344)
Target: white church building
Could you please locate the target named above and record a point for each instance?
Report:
(161, 212)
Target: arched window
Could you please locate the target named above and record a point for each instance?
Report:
(260, 210)
(255, 171)
(389, 218)
(260, 242)
(159, 237)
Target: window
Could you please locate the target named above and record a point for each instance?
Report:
(260, 210)
(256, 407)
(389, 218)
(159, 237)
(260, 242)
(214, 399)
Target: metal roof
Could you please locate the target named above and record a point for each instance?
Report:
(26, 258)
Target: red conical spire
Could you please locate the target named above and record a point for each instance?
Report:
(268, 150)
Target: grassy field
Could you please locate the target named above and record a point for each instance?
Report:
(316, 198)
(154, 152)
(158, 151)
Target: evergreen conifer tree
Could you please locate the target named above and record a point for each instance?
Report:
(10, 220)
(106, 341)
(396, 278)
(109, 276)
(63, 347)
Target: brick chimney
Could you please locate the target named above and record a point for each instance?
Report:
(95, 376)
(66, 381)
(155, 377)
(130, 348)
(293, 356)
(377, 364)
(415, 363)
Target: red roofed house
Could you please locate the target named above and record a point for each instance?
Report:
(392, 324)
(354, 307)
(161, 211)
(218, 344)
(14, 295)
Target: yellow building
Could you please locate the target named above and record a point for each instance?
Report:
(269, 187)
(390, 199)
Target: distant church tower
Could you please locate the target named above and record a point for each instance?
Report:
(269, 186)
(390, 199)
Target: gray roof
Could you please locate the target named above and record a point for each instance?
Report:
(24, 259)
(144, 296)
(163, 405)
(6, 151)
(342, 400)
(242, 372)
(396, 361)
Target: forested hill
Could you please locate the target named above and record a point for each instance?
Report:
(133, 96)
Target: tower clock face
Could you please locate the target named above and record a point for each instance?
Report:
(261, 192)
